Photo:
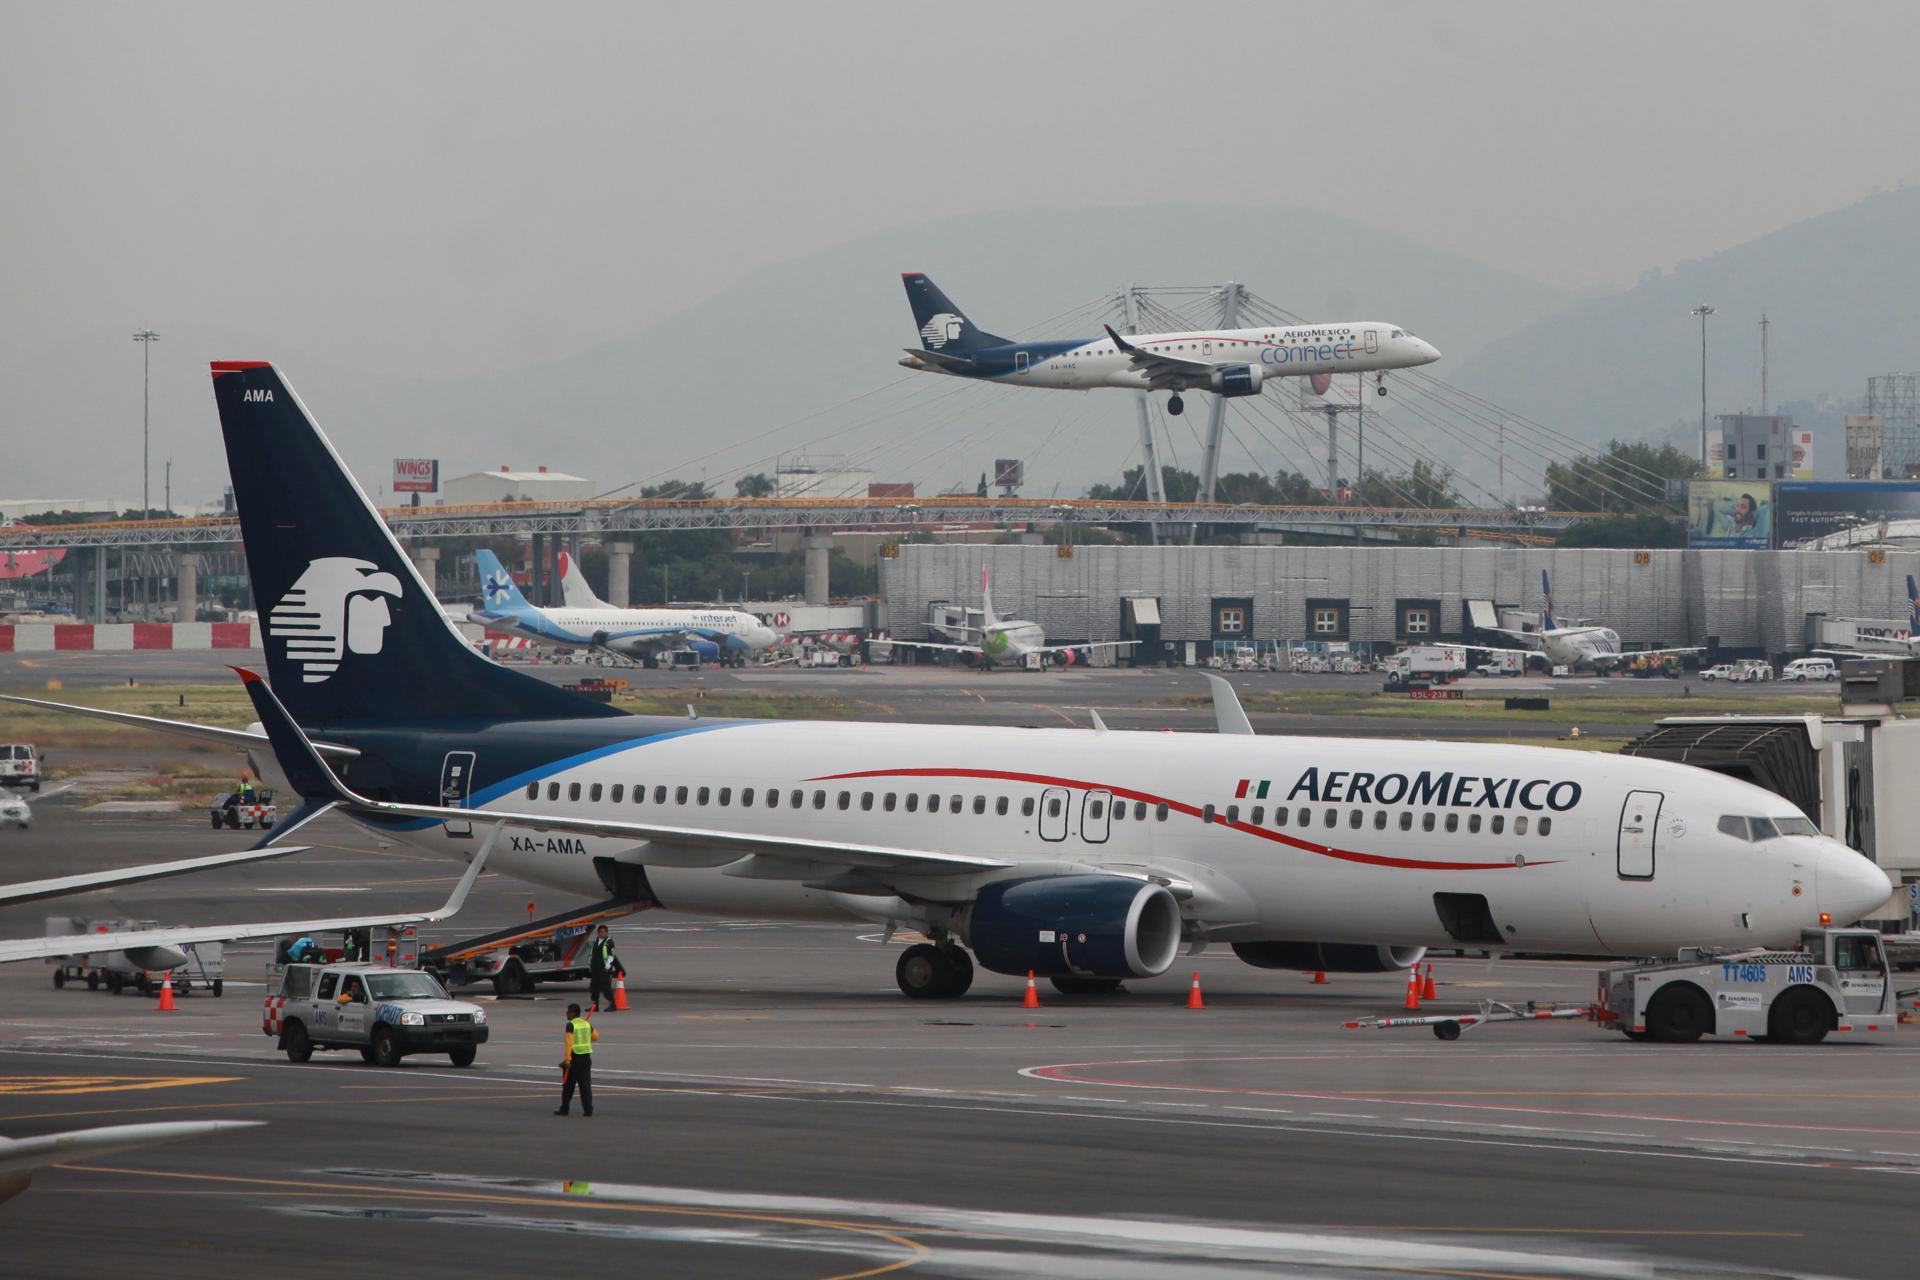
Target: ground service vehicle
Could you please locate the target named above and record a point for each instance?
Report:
(1810, 669)
(20, 765)
(384, 1013)
(235, 810)
(1837, 981)
(15, 811)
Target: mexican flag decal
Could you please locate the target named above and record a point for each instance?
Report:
(1259, 788)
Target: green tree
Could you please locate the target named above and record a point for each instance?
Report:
(757, 485)
(1425, 484)
(1628, 529)
(1625, 476)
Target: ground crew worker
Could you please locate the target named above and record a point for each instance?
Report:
(350, 946)
(601, 967)
(246, 789)
(576, 1069)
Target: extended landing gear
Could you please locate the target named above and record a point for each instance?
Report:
(927, 972)
(1380, 384)
(1176, 406)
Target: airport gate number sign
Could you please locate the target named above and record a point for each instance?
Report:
(416, 475)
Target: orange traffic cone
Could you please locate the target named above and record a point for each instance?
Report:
(166, 994)
(1319, 977)
(1193, 993)
(620, 993)
(1428, 991)
(1413, 989)
(1032, 1000)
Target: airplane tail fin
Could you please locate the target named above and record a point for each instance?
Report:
(990, 619)
(573, 586)
(1913, 607)
(1546, 603)
(352, 634)
(498, 591)
(943, 327)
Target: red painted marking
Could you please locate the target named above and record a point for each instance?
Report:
(232, 635)
(1240, 792)
(1305, 846)
(73, 635)
(235, 366)
(153, 635)
(6, 638)
(246, 676)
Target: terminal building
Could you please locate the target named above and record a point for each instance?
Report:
(1180, 602)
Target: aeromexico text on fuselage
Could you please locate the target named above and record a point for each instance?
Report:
(1328, 348)
(1443, 790)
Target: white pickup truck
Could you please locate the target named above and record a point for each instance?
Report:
(384, 1013)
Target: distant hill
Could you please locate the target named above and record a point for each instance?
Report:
(1842, 292)
(812, 333)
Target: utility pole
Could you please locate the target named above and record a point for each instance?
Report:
(146, 338)
(169, 498)
(1763, 364)
(1703, 311)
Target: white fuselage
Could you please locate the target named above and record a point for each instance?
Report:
(633, 630)
(1566, 851)
(1579, 646)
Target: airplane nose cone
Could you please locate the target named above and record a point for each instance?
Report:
(1850, 886)
(1429, 352)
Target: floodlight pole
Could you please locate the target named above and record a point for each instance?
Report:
(146, 338)
(1703, 311)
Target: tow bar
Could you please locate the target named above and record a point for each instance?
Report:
(1448, 1026)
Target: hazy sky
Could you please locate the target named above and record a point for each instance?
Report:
(454, 188)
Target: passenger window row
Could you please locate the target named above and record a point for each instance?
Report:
(936, 802)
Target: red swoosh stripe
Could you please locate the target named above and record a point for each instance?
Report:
(1323, 850)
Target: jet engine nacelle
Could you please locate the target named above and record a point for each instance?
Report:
(1075, 926)
(1329, 957)
(1237, 380)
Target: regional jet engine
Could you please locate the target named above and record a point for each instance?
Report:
(1237, 380)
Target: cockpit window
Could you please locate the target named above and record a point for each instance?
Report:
(1399, 333)
(1744, 828)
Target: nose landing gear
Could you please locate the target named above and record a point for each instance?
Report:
(1380, 383)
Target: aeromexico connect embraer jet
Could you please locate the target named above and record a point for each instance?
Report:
(727, 634)
(1577, 646)
(1227, 362)
(1087, 856)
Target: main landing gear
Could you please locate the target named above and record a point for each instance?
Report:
(1176, 406)
(929, 972)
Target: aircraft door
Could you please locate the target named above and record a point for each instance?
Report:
(456, 786)
(1639, 829)
(1206, 348)
(1096, 809)
(1372, 337)
(1862, 972)
(1053, 813)
(1019, 362)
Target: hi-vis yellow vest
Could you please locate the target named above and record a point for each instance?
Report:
(582, 1035)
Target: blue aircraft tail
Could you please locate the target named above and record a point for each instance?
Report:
(1913, 607)
(352, 634)
(1546, 603)
(499, 593)
(943, 326)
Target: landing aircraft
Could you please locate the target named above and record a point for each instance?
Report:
(1597, 648)
(1230, 362)
(1010, 640)
(634, 633)
(1086, 856)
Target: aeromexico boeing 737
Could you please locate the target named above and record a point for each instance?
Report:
(635, 633)
(1086, 856)
(1227, 362)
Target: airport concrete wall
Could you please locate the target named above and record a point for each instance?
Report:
(1751, 600)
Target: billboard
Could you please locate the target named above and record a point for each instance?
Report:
(1730, 514)
(416, 475)
(1008, 473)
(1803, 512)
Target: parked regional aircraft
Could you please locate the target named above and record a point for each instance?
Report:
(1086, 856)
(1574, 647)
(633, 633)
(1009, 640)
(1230, 362)
(1879, 637)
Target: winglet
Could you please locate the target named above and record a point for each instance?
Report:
(1228, 715)
(292, 749)
(1121, 343)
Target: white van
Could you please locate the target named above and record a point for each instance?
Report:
(1810, 669)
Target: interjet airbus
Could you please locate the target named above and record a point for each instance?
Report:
(643, 634)
(1086, 856)
(1229, 362)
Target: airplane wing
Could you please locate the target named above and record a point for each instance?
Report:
(133, 939)
(1529, 638)
(1089, 647)
(20, 1156)
(239, 739)
(1162, 370)
(62, 886)
(1615, 659)
(778, 856)
(931, 644)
